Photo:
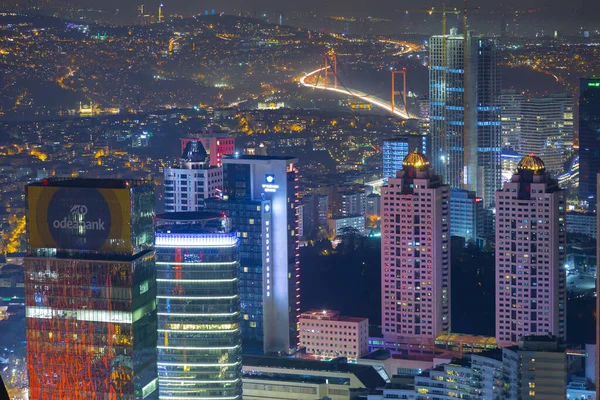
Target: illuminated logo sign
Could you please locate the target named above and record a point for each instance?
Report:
(269, 185)
(267, 208)
(78, 220)
(75, 218)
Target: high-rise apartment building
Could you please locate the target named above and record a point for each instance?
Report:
(396, 149)
(547, 130)
(511, 114)
(589, 145)
(351, 202)
(465, 128)
(314, 214)
(530, 255)
(415, 254)
(199, 336)
(90, 289)
(193, 181)
(260, 195)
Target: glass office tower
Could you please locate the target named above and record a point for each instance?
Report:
(199, 339)
(260, 194)
(465, 126)
(90, 289)
(589, 143)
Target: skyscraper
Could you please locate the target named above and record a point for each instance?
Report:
(415, 254)
(489, 127)
(193, 181)
(589, 135)
(452, 111)
(511, 114)
(260, 195)
(530, 255)
(199, 337)
(90, 289)
(464, 94)
(547, 130)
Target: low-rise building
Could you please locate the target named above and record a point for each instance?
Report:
(582, 223)
(279, 378)
(337, 224)
(329, 334)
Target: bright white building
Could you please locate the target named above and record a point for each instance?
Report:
(337, 225)
(415, 254)
(193, 181)
(530, 255)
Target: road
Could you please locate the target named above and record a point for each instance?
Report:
(355, 93)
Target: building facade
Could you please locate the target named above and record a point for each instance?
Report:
(582, 223)
(351, 202)
(327, 333)
(465, 127)
(250, 219)
(547, 130)
(314, 214)
(193, 181)
(415, 254)
(477, 379)
(489, 126)
(337, 226)
(217, 145)
(530, 255)
(589, 145)
(466, 215)
(511, 114)
(284, 378)
(199, 336)
(260, 194)
(90, 289)
(536, 369)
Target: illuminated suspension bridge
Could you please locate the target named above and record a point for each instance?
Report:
(326, 78)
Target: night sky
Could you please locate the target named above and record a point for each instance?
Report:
(362, 7)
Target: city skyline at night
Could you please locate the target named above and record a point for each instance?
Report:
(300, 200)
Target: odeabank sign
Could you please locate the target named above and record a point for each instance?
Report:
(73, 218)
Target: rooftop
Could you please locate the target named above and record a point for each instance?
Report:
(253, 157)
(416, 160)
(188, 216)
(365, 373)
(329, 315)
(532, 163)
(91, 183)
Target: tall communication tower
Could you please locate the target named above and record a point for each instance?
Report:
(161, 17)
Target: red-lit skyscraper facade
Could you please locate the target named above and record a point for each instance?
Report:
(90, 290)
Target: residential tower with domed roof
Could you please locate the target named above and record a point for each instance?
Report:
(530, 255)
(415, 257)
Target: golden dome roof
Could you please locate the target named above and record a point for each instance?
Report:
(415, 159)
(532, 163)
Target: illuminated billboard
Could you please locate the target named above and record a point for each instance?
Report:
(79, 218)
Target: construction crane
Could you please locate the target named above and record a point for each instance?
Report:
(444, 11)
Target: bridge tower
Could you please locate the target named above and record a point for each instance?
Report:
(396, 92)
(331, 61)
